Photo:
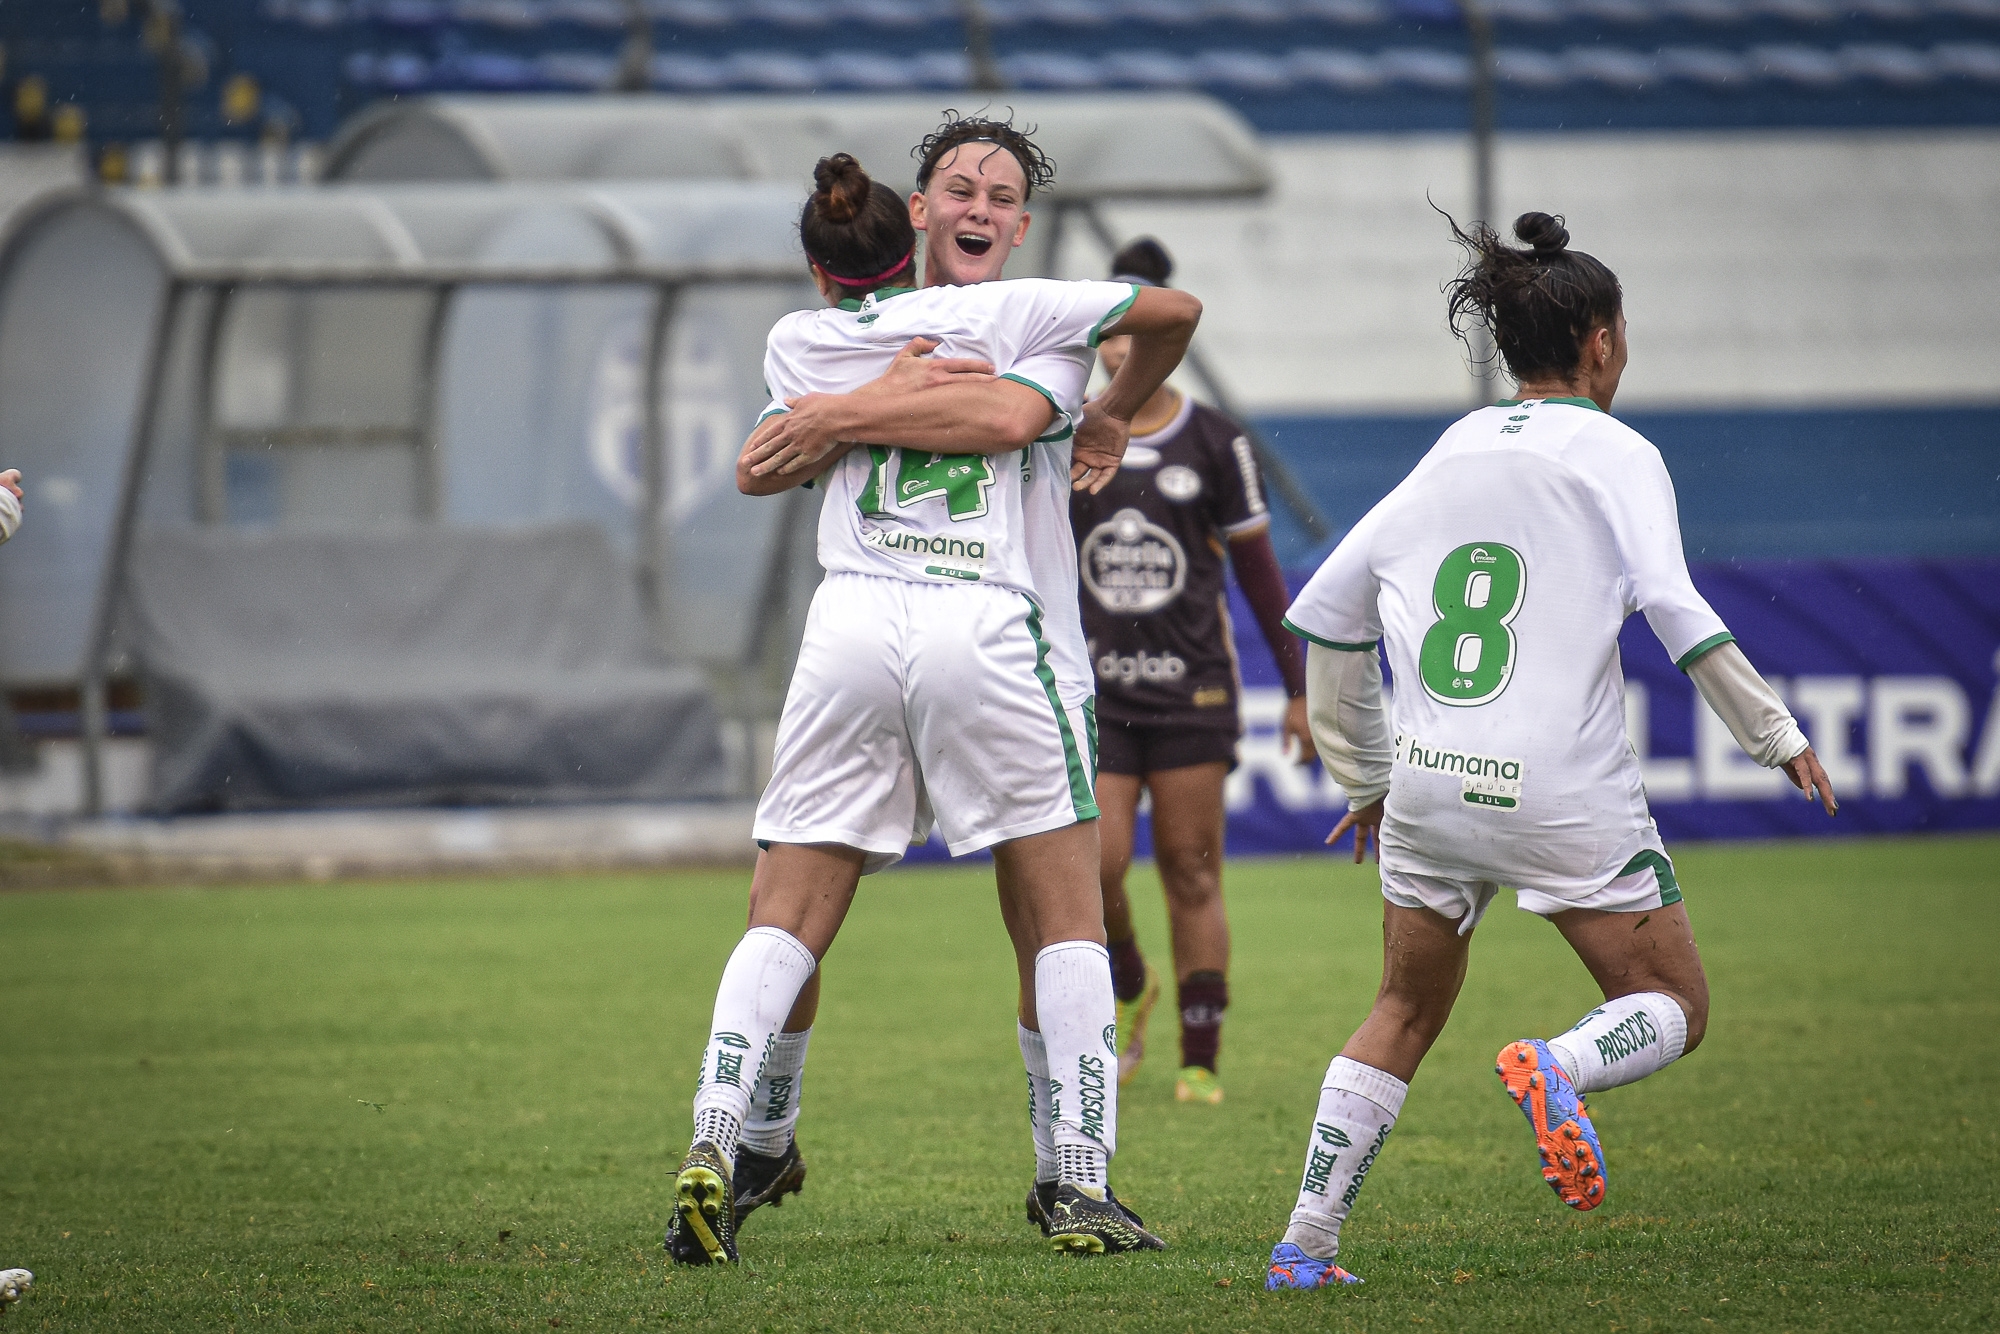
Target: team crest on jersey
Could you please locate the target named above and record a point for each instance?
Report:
(1178, 483)
(1131, 565)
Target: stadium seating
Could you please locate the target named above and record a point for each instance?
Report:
(1288, 64)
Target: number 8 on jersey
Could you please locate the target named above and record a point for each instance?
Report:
(1467, 655)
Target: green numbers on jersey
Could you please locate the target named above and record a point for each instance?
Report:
(1468, 653)
(905, 477)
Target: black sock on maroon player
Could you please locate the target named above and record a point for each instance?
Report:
(1204, 996)
(1128, 969)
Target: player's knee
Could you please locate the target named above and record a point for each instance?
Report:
(1695, 1006)
(1421, 1015)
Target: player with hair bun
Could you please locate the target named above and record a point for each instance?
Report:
(1151, 552)
(1496, 577)
(924, 691)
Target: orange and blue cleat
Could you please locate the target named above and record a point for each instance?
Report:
(1293, 1268)
(1572, 1159)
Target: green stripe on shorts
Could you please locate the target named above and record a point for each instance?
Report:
(1080, 794)
(1090, 732)
(1670, 888)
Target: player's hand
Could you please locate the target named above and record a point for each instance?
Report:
(915, 370)
(11, 479)
(1808, 777)
(1295, 736)
(1097, 450)
(803, 438)
(1367, 826)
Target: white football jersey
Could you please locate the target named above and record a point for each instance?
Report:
(1499, 572)
(1000, 519)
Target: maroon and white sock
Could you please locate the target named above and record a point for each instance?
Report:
(1204, 996)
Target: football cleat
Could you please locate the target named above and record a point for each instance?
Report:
(761, 1179)
(1132, 1016)
(703, 1228)
(1197, 1083)
(1293, 1268)
(1041, 1204)
(1085, 1225)
(1572, 1159)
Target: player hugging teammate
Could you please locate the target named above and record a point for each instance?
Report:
(1496, 576)
(942, 678)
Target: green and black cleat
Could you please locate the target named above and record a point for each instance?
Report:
(1084, 1225)
(703, 1228)
(761, 1179)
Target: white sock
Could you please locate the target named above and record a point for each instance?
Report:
(774, 1103)
(759, 986)
(1358, 1107)
(1622, 1040)
(1078, 1014)
(1035, 1056)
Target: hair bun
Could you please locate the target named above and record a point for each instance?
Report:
(1144, 258)
(843, 187)
(1545, 233)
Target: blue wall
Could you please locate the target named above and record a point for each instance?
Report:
(1752, 485)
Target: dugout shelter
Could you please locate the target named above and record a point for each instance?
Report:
(399, 493)
(1108, 148)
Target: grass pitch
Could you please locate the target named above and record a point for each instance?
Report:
(456, 1105)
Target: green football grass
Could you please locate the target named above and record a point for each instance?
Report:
(456, 1105)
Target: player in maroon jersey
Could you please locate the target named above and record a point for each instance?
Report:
(1150, 550)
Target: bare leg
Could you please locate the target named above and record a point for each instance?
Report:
(806, 1008)
(1118, 809)
(805, 890)
(1628, 953)
(1049, 893)
(1423, 966)
(1187, 845)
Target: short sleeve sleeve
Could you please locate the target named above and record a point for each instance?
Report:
(782, 379)
(1645, 523)
(1043, 333)
(1236, 503)
(1339, 606)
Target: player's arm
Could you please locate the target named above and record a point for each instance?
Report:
(1758, 719)
(752, 483)
(946, 405)
(1262, 580)
(1351, 726)
(1645, 522)
(1161, 321)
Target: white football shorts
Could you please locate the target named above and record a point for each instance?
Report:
(1643, 884)
(915, 704)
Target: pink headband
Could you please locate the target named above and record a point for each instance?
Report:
(891, 271)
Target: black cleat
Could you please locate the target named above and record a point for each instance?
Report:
(761, 1179)
(703, 1228)
(1041, 1203)
(1084, 1225)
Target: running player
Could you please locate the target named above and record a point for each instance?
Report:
(1498, 573)
(924, 691)
(1150, 552)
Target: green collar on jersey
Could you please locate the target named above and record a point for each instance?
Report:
(880, 295)
(1573, 402)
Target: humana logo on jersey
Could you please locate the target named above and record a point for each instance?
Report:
(966, 557)
(1488, 781)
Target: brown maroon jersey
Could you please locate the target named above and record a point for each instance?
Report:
(1150, 553)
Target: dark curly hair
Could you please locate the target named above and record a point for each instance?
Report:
(1539, 303)
(1036, 166)
(856, 229)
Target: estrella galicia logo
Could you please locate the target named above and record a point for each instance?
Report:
(1132, 565)
(1111, 1038)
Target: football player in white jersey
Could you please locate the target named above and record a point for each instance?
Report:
(924, 691)
(1497, 575)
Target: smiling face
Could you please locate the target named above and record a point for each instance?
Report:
(973, 213)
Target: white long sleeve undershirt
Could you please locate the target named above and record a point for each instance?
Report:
(1756, 717)
(1349, 724)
